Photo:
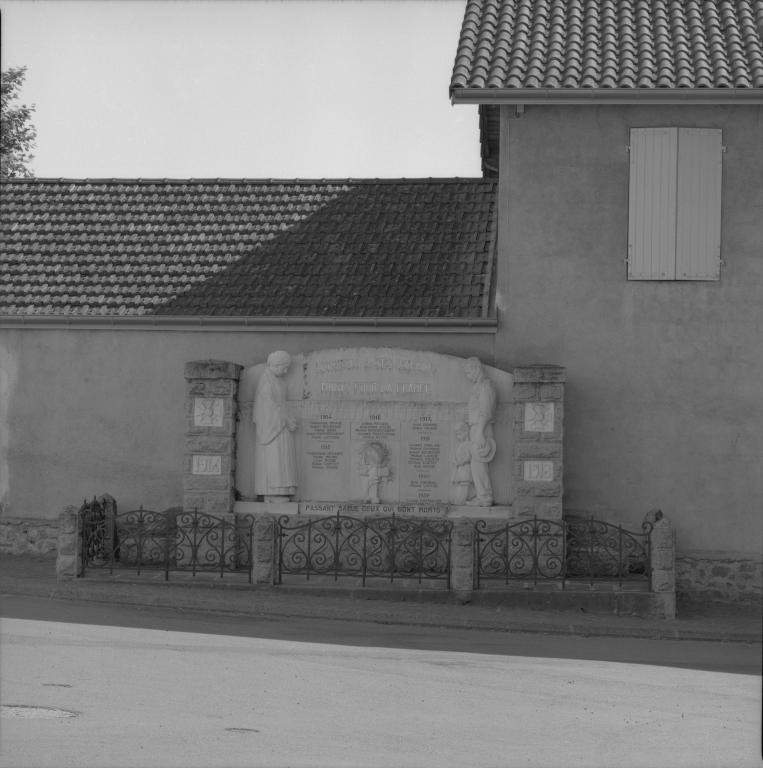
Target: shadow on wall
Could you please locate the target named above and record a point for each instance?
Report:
(371, 250)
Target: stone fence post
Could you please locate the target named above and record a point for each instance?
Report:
(538, 433)
(462, 557)
(68, 554)
(663, 551)
(210, 442)
(265, 548)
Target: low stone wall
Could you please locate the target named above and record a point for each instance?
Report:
(28, 536)
(719, 578)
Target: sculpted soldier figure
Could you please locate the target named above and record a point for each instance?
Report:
(275, 462)
(481, 414)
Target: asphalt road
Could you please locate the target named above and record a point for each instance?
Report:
(176, 688)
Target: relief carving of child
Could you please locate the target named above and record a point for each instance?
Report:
(461, 473)
(375, 457)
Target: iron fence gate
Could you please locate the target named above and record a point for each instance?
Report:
(544, 550)
(165, 541)
(391, 547)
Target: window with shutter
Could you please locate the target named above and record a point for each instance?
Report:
(674, 216)
(652, 203)
(698, 233)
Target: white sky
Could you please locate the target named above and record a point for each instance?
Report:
(242, 88)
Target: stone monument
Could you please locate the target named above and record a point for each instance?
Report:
(375, 430)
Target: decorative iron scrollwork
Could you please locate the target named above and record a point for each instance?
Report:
(169, 541)
(390, 547)
(541, 550)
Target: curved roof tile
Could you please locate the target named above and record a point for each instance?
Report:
(245, 247)
(611, 44)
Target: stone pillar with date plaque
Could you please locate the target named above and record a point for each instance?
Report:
(538, 432)
(210, 442)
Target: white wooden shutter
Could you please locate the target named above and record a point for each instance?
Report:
(652, 204)
(698, 232)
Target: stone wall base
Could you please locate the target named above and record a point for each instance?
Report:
(719, 578)
(654, 605)
(311, 509)
(28, 536)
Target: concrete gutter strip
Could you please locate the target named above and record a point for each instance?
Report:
(264, 602)
(607, 96)
(253, 323)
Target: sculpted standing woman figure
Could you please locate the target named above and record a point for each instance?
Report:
(481, 414)
(275, 460)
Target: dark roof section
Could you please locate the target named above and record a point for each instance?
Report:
(490, 135)
(384, 248)
(610, 44)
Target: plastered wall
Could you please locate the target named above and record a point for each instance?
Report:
(89, 412)
(664, 379)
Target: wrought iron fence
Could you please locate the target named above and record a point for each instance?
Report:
(94, 532)
(390, 547)
(165, 541)
(543, 550)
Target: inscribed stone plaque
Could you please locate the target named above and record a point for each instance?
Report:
(325, 470)
(425, 462)
(356, 508)
(208, 412)
(539, 470)
(375, 430)
(539, 417)
(207, 465)
(369, 373)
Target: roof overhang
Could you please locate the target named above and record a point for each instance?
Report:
(607, 96)
(252, 323)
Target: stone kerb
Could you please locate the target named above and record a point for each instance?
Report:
(662, 542)
(210, 443)
(538, 435)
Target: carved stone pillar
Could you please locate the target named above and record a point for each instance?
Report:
(68, 552)
(663, 551)
(210, 442)
(538, 432)
(462, 557)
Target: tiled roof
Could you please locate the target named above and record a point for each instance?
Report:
(406, 248)
(617, 44)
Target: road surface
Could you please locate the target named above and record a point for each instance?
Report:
(152, 687)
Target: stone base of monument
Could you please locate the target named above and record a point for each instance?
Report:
(261, 508)
(353, 509)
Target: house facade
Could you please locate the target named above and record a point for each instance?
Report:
(627, 139)
(617, 232)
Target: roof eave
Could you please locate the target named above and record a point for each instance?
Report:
(607, 95)
(281, 323)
